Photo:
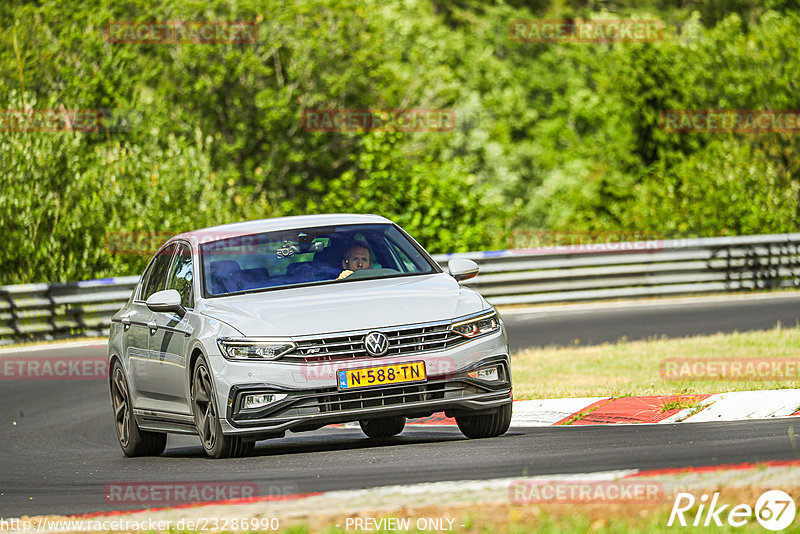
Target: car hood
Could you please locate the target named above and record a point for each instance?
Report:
(354, 305)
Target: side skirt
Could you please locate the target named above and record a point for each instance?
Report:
(165, 422)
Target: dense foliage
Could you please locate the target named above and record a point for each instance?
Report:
(559, 137)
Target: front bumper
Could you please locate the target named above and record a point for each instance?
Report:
(310, 409)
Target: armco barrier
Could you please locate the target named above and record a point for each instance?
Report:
(640, 269)
(46, 311)
(521, 276)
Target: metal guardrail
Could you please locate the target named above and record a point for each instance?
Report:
(48, 311)
(520, 276)
(638, 269)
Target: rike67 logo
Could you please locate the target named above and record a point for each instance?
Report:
(774, 510)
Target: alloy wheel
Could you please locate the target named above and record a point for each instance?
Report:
(205, 416)
(122, 412)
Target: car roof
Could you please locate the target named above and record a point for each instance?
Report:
(205, 235)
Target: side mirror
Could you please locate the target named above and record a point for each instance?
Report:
(462, 269)
(168, 301)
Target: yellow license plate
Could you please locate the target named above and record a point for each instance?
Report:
(399, 373)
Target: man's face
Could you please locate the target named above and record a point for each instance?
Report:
(357, 258)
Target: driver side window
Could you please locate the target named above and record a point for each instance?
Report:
(181, 277)
(157, 274)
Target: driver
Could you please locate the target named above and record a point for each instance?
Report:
(356, 258)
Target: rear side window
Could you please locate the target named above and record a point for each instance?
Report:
(157, 273)
(181, 276)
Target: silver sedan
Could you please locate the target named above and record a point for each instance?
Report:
(241, 332)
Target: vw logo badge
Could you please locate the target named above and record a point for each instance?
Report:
(376, 343)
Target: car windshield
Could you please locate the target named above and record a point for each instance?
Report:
(333, 254)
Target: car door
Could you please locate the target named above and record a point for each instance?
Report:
(144, 371)
(169, 340)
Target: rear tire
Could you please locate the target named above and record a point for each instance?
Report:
(486, 425)
(132, 440)
(384, 427)
(204, 409)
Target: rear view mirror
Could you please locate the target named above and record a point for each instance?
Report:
(168, 300)
(462, 269)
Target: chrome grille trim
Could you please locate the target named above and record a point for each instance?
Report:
(423, 334)
(412, 339)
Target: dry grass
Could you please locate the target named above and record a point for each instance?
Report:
(633, 368)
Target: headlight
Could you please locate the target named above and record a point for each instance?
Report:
(478, 326)
(254, 349)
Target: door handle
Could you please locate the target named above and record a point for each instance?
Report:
(153, 327)
(126, 323)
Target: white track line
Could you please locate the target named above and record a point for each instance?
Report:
(740, 405)
(51, 346)
(547, 412)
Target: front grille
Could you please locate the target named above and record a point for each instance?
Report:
(401, 341)
(331, 401)
(355, 400)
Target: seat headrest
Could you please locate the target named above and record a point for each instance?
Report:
(223, 268)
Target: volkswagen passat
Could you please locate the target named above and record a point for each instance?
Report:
(241, 332)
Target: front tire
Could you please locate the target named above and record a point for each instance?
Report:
(132, 440)
(204, 409)
(384, 427)
(487, 425)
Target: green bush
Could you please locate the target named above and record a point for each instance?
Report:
(65, 198)
(562, 137)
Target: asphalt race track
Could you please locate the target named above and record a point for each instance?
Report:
(58, 449)
(596, 324)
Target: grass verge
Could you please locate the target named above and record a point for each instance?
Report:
(634, 368)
